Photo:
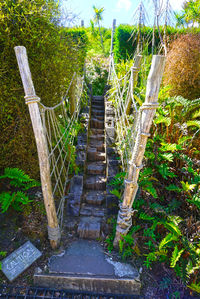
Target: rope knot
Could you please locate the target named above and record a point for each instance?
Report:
(149, 106)
(54, 233)
(30, 99)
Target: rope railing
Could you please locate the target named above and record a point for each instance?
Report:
(132, 126)
(55, 130)
(121, 94)
(59, 128)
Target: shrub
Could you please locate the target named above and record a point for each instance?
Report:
(182, 70)
(54, 53)
(126, 36)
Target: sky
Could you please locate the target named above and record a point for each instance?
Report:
(121, 10)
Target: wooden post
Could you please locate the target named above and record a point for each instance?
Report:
(32, 101)
(112, 36)
(134, 76)
(145, 118)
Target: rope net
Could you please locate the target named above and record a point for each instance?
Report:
(121, 94)
(61, 128)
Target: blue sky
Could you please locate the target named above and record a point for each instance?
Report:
(121, 10)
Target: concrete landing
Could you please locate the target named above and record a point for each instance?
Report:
(84, 266)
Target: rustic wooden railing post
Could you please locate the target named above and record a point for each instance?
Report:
(32, 101)
(134, 76)
(145, 118)
(82, 23)
(112, 36)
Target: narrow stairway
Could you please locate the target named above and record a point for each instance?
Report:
(93, 204)
(84, 265)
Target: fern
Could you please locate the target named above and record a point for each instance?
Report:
(167, 156)
(180, 270)
(18, 178)
(116, 193)
(176, 254)
(172, 227)
(195, 287)
(173, 187)
(193, 123)
(195, 200)
(21, 182)
(144, 216)
(163, 119)
(15, 173)
(168, 239)
(164, 171)
(17, 200)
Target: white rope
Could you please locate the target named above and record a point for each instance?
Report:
(121, 94)
(60, 137)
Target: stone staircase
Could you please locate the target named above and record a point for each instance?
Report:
(84, 266)
(93, 204)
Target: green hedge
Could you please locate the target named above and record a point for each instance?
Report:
(126, 36)
(54, 54)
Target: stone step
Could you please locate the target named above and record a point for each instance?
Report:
(90, 210)
(97, 131)
(98, 98)
(94, 155)
(95, 197)
(100, 117)
(96, 124)
(95, 112)
(97, 107)
(83, 266)
(99, 137)
(95, 182)
(99, 145)
(96, 168)
(89, 227)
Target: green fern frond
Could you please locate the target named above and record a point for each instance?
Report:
(180, 270)
(176, 254)
(5, 201)
(193, 123)
(172, 227)
(196, 114)
(163, 120)
(168, 238)
(144, 216)
(173, 187)
(16, 174)
(194, 287)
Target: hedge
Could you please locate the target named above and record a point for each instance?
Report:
(125, 39)
(54, 54)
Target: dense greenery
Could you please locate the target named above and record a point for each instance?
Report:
(54, 53)
(126, 39)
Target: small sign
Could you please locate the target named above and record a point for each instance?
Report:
(18, 261)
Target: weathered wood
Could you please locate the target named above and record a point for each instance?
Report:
(32, 101)
(134, 77)
(147, 112)
(112, 36)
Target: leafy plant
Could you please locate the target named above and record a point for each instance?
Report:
(20, 183)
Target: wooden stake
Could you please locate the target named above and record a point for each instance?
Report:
(112, 36)
(147, 112)
(134, 75)
(32, 101)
